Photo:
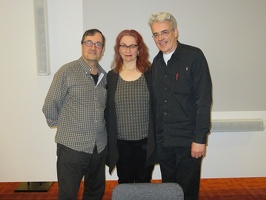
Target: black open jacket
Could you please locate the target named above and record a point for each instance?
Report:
(111, 122)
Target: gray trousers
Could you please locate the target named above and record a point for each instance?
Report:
(72, 166)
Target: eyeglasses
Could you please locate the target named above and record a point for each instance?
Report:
(89, 43)
(131, 47)
(163, 34)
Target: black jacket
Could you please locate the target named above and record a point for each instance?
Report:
(111, 122)
(183, 91)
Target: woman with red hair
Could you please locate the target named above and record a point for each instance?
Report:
(129, 113)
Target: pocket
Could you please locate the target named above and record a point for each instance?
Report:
(180, 84)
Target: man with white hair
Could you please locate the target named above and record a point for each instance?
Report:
(183, 94)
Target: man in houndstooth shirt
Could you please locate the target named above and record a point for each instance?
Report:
(75, 105)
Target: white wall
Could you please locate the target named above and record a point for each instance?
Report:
(236, 154)
(27, 148)
(231, 34)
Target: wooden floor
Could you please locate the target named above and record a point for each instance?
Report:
(210, 189)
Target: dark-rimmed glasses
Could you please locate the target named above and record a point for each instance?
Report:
(131, 47)
(89, 43)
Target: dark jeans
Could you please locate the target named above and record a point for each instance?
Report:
(72, 166)
(131, 166)
(178, 166)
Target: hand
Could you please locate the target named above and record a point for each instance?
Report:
(197, 150)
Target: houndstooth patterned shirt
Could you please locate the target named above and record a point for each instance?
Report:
(132, 108)
(75, 105)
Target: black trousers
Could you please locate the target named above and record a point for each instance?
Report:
(131, 166)
(178, 166)
(72, 166)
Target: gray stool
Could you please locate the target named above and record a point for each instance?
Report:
(148, 191)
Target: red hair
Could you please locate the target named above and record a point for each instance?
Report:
(143, 63)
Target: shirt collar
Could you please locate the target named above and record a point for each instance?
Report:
(177, 51)
(87, 68)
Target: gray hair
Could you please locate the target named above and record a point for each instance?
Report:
(161, 17)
